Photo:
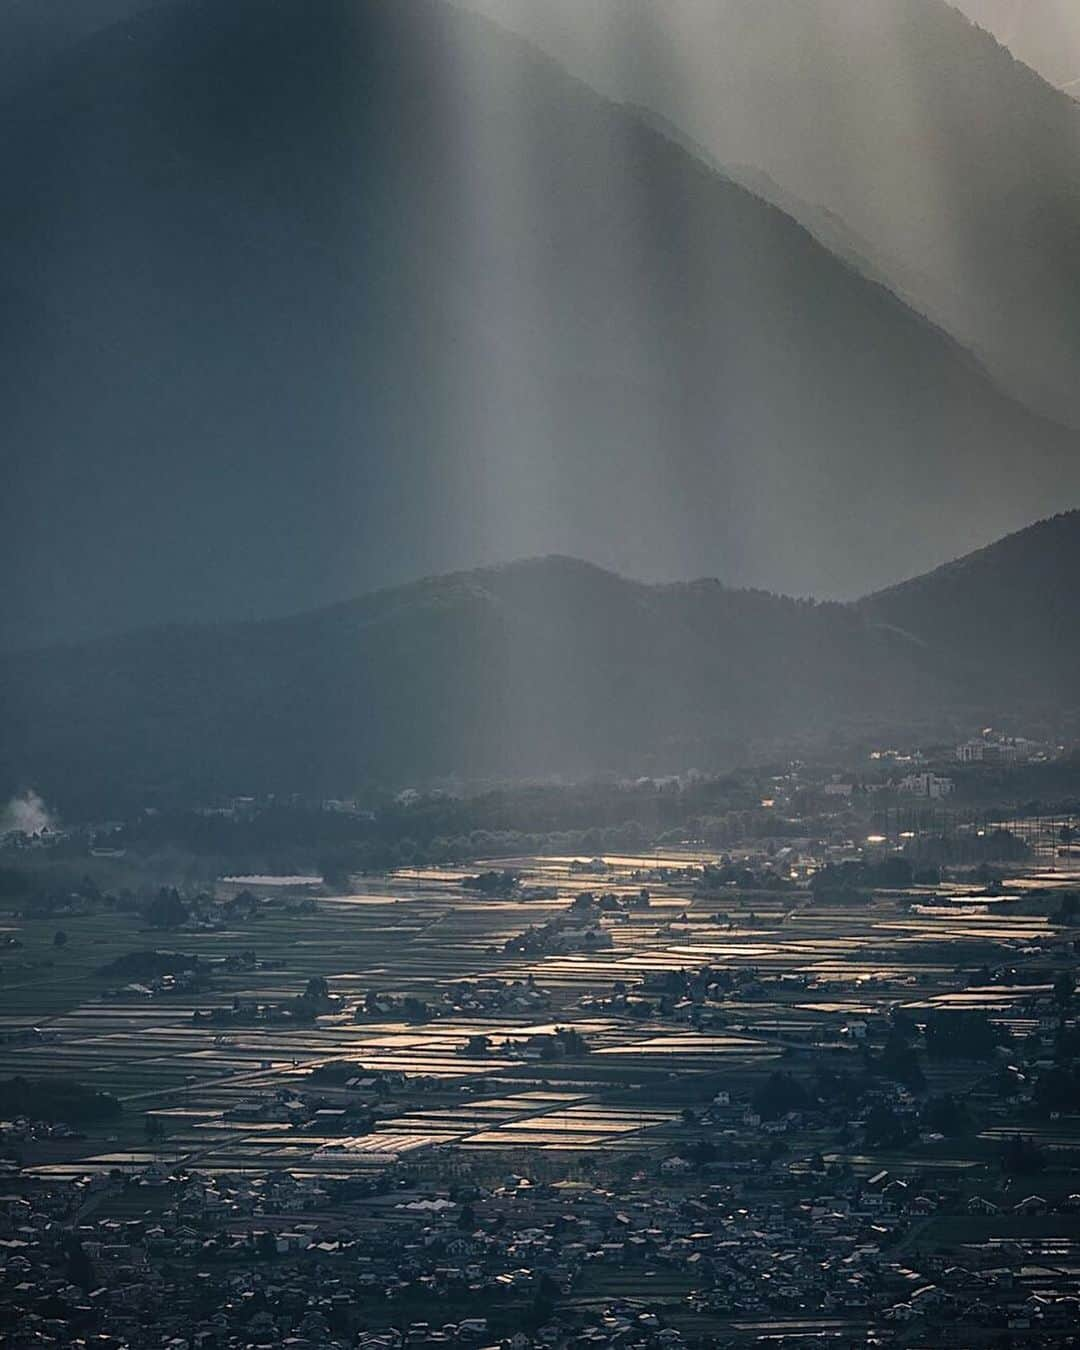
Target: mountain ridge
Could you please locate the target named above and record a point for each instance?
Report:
(304, 303)
(538, 667)
(911, 123)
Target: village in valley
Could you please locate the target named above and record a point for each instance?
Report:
(802, 1071)
(540, 675)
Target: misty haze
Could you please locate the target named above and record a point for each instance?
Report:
(539, 674)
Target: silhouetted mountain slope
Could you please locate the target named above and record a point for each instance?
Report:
(956, 166)
(309, 297)
(1045, 37)
(1006, 617)
(550, 666)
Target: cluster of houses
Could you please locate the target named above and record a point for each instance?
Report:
(488, 996)
(560, 936)
(23, 1129)
(185, 1259)
(996, 748)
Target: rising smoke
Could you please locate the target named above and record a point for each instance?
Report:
(26, 814)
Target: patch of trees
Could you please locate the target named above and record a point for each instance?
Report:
(715, 876)
(301, 1010)
(383, 831)
(148, 964)
(243, 905)
(963, 1034)
(336, 869)
(706, 982)
(378, 1006)
(491, 883)
(587, 903)
(15, 884)
(947, 1115)
(702, 1152)
(900, 1063)
(573, 1044)
(779, 1094)
(57, 1099)
(1058, 1089)
(843, 879)
(77, 1264)
(833, 1089)
(1022, 1156)
(1041, 787)
(63, 891)
(338, 1072)
(166, 909)
(995, 846)
(1067, 1043)
(888, 1128)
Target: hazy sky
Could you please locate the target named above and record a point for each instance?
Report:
(1043, 33)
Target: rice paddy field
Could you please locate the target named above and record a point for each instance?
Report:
(418, 933)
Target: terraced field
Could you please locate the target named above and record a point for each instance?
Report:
(417, 934)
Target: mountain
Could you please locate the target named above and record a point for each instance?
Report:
(307, 297)
(953, 165)
(1044, 36)
(541, 667)
(1004, 617)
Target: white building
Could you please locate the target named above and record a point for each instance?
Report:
(997, 750)
(930, 785)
